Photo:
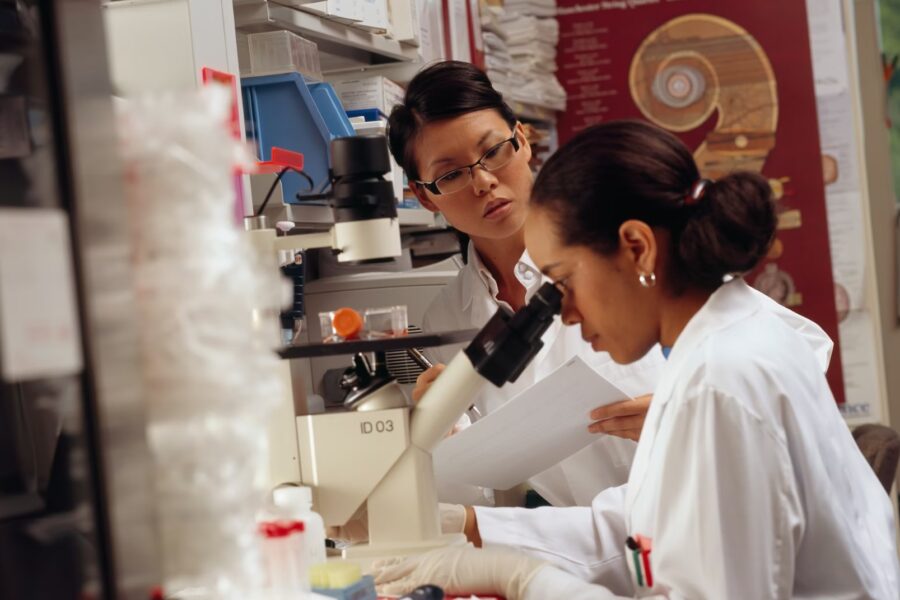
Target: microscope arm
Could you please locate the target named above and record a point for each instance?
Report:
(447, 398)
(498, 354)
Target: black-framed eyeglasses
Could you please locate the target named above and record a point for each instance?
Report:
(497, 157)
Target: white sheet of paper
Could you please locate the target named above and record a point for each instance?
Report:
(532, 432)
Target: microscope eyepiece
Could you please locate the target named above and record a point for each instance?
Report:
(359, 190)
(508, 342)
(359, 157)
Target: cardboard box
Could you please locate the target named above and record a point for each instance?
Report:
(369, 92)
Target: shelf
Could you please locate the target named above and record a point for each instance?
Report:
(322, 217)
(414, 340)
(340, 45)
(398, 72)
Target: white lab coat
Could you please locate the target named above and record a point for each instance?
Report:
(746, 478)
(468, 302)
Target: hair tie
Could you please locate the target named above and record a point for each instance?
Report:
(698, 190)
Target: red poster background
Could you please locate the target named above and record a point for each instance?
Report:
(599, 38)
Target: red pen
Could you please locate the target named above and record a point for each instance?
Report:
(646, 547)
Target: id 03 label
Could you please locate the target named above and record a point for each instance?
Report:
(368, 427)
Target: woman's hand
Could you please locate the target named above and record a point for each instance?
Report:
(459, 570)
(623, 419)
(424, 381)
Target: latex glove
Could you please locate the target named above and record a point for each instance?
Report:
(424, 381)
(459, 570)
(453, 518)
(623, 419)
(356, 530)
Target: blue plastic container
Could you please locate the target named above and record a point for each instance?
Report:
(284, 111)
(369, 114)
(330, 108)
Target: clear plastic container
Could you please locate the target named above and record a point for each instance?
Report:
(283, 52)
(296, 501)
(285, 558)
(374, 323)
(341, 324)
(390, 321)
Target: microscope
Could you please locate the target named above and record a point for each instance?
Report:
(376, 453)
(379, 455)
(366, 228)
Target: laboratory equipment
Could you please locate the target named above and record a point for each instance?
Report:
(415, 288)
(365, 215)
(370, 386)
(274, 52)
(388, 321)
(346, 323)
(342, 324)
(343, 581)
(425, 592)
(365, 229)
(296, 501)
(283, 558)
(381, 459)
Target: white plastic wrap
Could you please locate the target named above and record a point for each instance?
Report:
(210, 372)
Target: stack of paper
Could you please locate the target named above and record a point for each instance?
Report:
(520, 41)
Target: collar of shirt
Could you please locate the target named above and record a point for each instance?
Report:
(733, 301)
(526, 272)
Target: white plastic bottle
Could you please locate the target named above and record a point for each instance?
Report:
(296, 501)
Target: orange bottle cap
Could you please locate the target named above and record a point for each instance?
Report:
(347, 323)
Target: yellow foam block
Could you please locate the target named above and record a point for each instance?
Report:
(334, 575)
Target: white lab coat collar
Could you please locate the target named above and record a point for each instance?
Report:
(822, 345)
(733, 301)
(526, 272)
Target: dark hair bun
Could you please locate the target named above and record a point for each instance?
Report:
(730, 231)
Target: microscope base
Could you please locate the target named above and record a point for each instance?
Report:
(368, 551)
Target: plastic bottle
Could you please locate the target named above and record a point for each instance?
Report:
(284, 556)
(296, 501)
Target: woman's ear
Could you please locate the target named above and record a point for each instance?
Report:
(639, 243)
(422, 197)
(523, 140)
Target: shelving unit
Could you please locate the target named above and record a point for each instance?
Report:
(348, 51)
(402, 73)
(341, 46)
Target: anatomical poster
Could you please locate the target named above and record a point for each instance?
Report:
(735, 81)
